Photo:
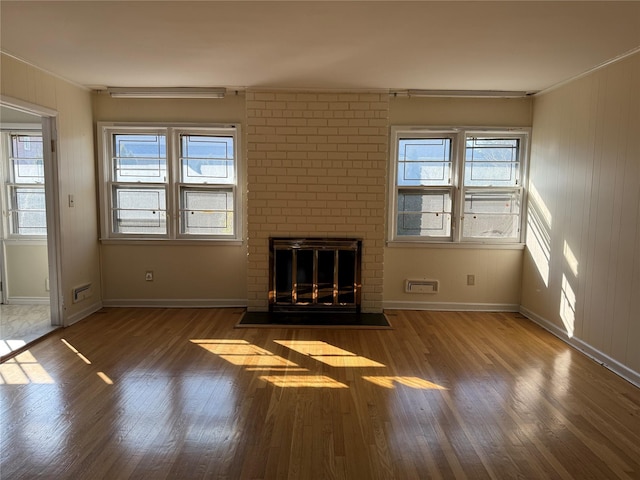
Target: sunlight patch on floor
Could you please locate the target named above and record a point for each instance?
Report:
(256, 359)
(244, 354)
(303, 381)
(328, 354)
(412, 382)
(75, 350)
(23, 369)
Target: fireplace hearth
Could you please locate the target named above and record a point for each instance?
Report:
(314, 274)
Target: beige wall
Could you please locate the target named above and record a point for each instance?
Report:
(27, 272)
(471, 112)
(79, 262)
(497, 271)
(317, 168)
(188, 275)
(323, 154)
(184, 274)
(582, 265)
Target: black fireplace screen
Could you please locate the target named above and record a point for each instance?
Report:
(314, 274)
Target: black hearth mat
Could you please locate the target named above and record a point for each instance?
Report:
(314, 319)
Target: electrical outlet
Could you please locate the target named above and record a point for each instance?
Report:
(471, 279)
(148, 276)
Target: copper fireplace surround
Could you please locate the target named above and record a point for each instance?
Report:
(314, 274)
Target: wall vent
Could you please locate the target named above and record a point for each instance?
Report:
(421, 286)
(82, 293)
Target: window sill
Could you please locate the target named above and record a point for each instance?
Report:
(165, 242)
(456, 245)
(26, 240)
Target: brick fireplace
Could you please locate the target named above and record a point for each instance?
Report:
(316, 166)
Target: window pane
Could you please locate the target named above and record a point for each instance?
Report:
(207, 159)
(140, 158)
(491, 214)
(424, 161)
(207, 212)
(492, 162)
(139, 210)
(26, 146)
(29, 198)
(27, 164)
(424, 213)
(28, 211)
(30, 223)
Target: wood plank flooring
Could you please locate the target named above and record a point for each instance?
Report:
(181, 394)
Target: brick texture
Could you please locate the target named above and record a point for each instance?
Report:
(316, 165)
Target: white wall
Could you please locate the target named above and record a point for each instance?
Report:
(581, 274)
(76, 175)
(497, 271)
(184, 274)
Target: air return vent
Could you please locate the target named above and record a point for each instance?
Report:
(421, 286)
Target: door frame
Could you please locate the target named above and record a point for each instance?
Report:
(49, 119)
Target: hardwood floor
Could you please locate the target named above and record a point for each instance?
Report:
(181, 394)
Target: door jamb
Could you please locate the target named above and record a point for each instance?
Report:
(52, 199)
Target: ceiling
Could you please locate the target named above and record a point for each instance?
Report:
(475, 45)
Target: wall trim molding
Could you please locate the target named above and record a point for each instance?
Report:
(28, 300)
(176, 302)
(588, 72)
(596, 355)
(451, 307)
(82, 314)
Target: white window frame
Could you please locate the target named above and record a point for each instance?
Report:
(173, 185)
(457, 187)
(6, 202)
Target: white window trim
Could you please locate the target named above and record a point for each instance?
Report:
(5, 175)
(458, 157)
(173, 236)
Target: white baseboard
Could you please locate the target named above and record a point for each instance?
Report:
(176, 302)
(591, 352)
(28, 301)
(82, 314)
(451, 307)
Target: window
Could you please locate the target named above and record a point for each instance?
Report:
(24, 184)
(169, 182)
(457, 185)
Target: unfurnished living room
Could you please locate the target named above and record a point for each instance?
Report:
(320, 240)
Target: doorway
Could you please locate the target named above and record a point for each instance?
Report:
(29, 302)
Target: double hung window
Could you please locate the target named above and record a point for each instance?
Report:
(169, 182)
(457, 185)
(24, 184)
(425, 179)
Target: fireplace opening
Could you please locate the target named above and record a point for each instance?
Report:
(314, 274)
